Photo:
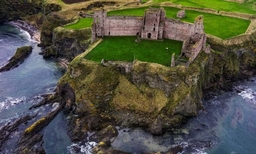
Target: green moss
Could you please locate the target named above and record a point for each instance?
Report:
(34, 126)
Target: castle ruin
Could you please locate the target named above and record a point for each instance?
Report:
(155, 26)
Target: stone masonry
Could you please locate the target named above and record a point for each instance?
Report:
(155, 26)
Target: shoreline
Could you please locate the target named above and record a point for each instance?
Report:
(31, 29)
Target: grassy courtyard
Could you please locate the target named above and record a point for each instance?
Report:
(126, 49)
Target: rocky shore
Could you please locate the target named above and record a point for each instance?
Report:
(31, 29)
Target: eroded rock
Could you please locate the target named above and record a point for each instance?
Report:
(20, 55)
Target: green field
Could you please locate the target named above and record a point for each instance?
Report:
(82, 23)
(221, 26)
(222, 5)
(123, 48)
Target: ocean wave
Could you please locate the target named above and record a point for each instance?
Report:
(83, 149)
(11, 102)
(249, 95)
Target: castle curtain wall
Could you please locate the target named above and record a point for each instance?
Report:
(122, 26)
(177, 30)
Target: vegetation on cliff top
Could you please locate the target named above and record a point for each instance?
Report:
(81, 23)
(126, 49)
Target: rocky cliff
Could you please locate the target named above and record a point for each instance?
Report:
(149, 95)
(141, 94)
(68, 43)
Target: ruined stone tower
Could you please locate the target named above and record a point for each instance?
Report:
(153, 24)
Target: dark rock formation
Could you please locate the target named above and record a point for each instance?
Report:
(67, 43)
(31, 136)
(6, 130)
(21, 54)
(50, 22)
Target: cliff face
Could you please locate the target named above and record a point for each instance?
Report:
(135, 94)
(150, 95)
(67, 43)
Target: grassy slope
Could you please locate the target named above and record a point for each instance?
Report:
(126, 49)
(82, 23)
(247, 7)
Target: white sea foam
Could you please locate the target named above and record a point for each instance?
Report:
(11, 102)
(84, 149)
(55, 106)
(248, 95)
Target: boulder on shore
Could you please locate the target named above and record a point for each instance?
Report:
(20, 55)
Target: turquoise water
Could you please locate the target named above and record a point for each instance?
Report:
(226, 125)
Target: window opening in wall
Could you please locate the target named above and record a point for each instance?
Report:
(149, 35)
(138, 34)
(154, 29)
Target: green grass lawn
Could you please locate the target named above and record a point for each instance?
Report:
(222, 5)
(221, 26)
(124, 48)
(82, 23)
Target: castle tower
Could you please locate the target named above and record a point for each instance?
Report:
(151, 24)
(99, 17)
(199, 25)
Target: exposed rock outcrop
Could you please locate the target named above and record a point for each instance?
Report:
(20, 55)
(31, 139)
(68, 43)
(50, 22)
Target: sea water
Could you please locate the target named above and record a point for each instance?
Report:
(23, 86)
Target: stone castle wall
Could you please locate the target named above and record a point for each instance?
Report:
(177, 30)
(122, 26)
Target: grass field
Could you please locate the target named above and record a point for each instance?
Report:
(246, 7)
(221, 26)
(82, 23)
(124, 48)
